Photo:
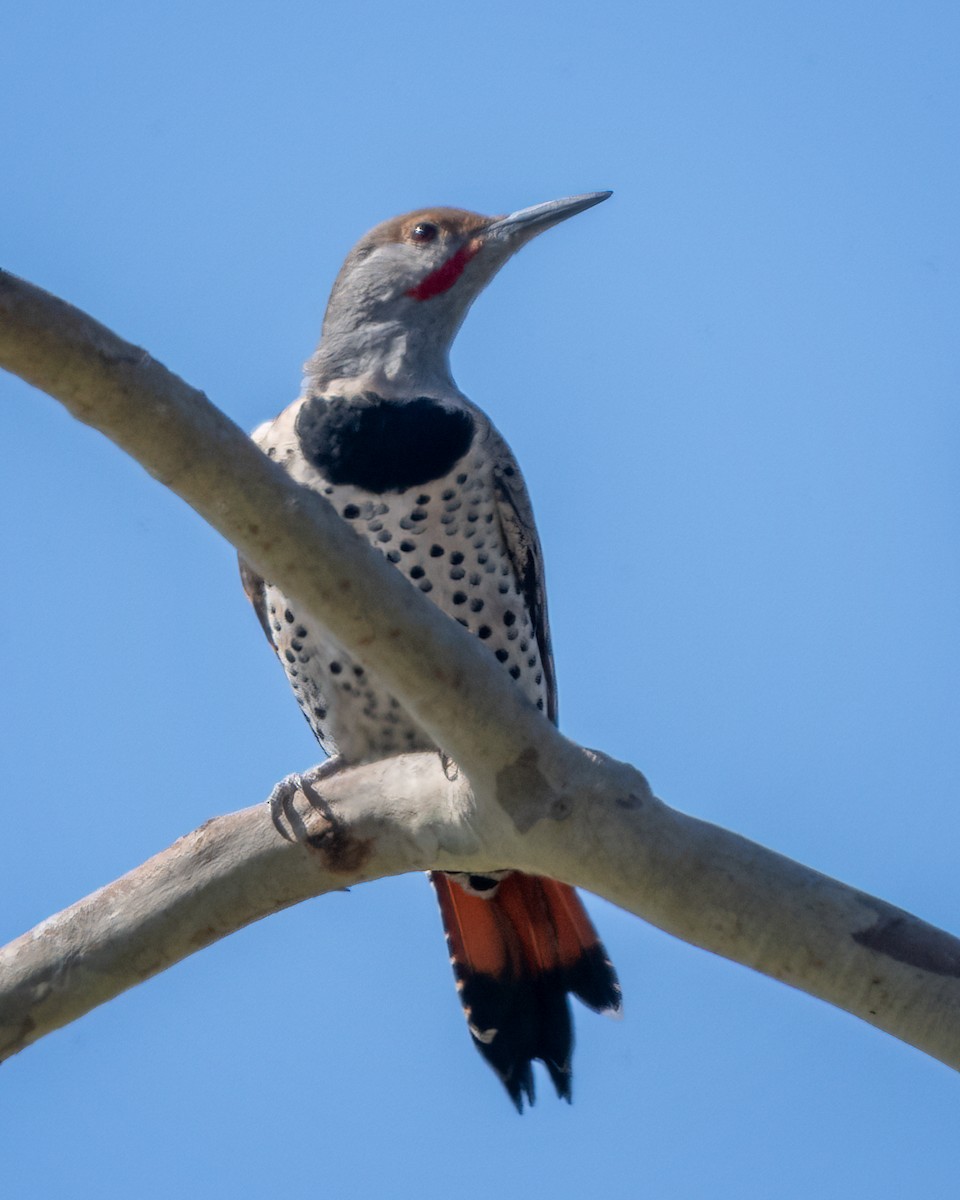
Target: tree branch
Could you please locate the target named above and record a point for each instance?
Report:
(535, 801)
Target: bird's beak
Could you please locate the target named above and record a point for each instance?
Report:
(520, 226)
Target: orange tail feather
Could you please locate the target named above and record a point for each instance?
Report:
(516, 955)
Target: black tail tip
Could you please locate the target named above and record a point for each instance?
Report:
(520, 1083)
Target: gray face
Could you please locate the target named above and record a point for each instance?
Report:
(406, 287)
(389, 271)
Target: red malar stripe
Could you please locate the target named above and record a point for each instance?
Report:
(446, 275)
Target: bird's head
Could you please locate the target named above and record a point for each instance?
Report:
(406, 286)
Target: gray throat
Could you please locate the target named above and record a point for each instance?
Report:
(388, 357)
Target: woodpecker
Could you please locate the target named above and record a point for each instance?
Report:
(382, 431)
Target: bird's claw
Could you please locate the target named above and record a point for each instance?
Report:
(280, 801)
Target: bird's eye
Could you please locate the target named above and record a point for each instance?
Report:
(423, 232)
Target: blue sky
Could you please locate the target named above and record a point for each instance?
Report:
(734, 392)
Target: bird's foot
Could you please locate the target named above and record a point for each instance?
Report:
(282, 810)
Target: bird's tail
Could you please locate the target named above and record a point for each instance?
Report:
(516, 953)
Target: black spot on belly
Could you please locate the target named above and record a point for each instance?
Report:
(383, 445)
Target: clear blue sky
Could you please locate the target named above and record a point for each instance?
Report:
(734, 391)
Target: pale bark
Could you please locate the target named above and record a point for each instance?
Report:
(534, 800)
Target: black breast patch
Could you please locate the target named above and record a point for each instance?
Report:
(382, 445)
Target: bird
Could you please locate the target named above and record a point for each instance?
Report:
(381, 431)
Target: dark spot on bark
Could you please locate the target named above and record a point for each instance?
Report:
(907, 939)
(342, 854)
(524, 793)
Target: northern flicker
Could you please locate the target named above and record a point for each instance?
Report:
(382, 431)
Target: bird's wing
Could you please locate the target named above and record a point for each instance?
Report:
(254, 586)
(265, 436)
(523, 545)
